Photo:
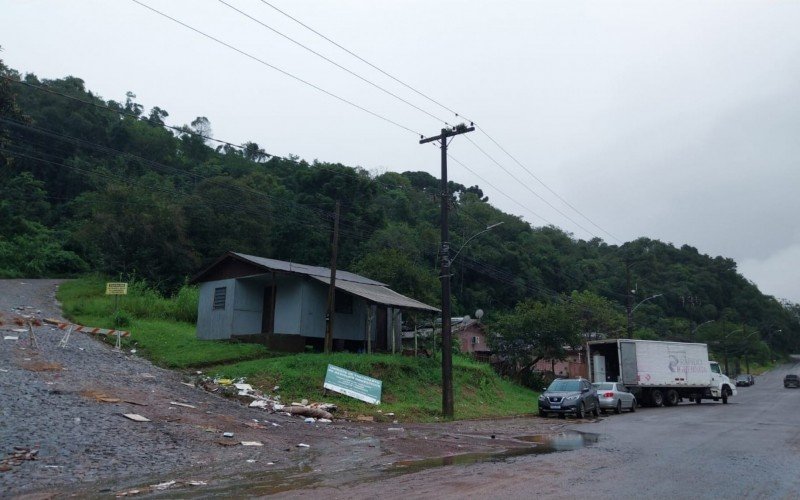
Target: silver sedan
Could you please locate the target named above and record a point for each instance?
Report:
(615, 396)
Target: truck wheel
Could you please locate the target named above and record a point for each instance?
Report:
(725, 393)
(672, 398)
(698, 400)
(581, 411)
(657, 398)
(618, 409)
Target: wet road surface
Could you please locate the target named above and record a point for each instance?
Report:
(749, 448)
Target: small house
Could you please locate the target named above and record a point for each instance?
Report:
(285, 305)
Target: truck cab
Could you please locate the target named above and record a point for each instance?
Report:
(721, 385)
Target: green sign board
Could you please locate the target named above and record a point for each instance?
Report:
(353, 384)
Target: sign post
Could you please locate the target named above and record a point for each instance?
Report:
(117, 289)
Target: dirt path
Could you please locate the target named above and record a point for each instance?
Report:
(62, 428)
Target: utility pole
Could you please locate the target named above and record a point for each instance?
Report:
(447, 345)
(629, 294)
(332, 288)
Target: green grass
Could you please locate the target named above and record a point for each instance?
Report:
(163, 330)
(167, 342)
(411, 386)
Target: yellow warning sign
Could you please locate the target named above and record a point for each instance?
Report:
(116, 289)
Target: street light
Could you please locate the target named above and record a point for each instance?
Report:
(691, 334)
(447, 348)
(488, 228)
(630, 313)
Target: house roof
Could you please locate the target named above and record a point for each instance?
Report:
(373, 291)
(378, 294)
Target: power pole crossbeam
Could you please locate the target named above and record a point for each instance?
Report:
(447, 345)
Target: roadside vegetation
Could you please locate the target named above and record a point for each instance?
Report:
(411, 386)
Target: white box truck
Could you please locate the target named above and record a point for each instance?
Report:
(659, 373)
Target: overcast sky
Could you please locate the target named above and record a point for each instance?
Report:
(679, 121)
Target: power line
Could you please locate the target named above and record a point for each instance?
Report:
(180, 130)
(279, 70)
(545, 185)
(363, 79)
(455, 113)
(526, 186)
(366, 62)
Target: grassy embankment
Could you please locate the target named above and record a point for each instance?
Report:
(163, 331)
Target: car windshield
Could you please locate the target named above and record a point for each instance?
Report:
(565, 385)
(742, 377)
(604, 387)
(791, 375)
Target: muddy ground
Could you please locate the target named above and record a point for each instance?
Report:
(63, 433)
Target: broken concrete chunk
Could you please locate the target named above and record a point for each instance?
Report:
(135, 417)
(182, 404)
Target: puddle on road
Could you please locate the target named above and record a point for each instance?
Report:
(266, 482)
(543, 444)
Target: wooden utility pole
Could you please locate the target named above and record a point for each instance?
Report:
(629, 294)
(447, 345)
(332, 288)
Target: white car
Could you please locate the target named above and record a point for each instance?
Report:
(614, 396)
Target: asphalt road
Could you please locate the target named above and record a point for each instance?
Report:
(749, 448)
(746, 449)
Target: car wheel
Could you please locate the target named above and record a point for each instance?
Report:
(542, 413)
(633, 406)
(562, 415)
(657, 398)
(618, 409)
(581, 411)
(596, 411)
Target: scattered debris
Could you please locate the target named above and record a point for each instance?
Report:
(308, 411)
(169, 485)
(42, 366)
(185, 405)
(99, 396)
(303, 445)
(246, 393)
(135, 417)
(16, 457)
(310, 420)
(365, 418)
(252, 443)
(227, 434)
(222, 442)
(10, 337)
(324, 421)
(163, 486)
(396, 429)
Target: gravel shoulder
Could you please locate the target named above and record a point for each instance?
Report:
(62, 429)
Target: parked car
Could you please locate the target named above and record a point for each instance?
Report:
(569, 396)
(614, 396)
(791, 380)
(745, 379)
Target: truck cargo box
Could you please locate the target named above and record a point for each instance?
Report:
(649, 363)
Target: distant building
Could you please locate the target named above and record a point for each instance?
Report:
(574, 365)
(284, 305)
(469, 332)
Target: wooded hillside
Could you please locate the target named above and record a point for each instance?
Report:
(105, 186)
